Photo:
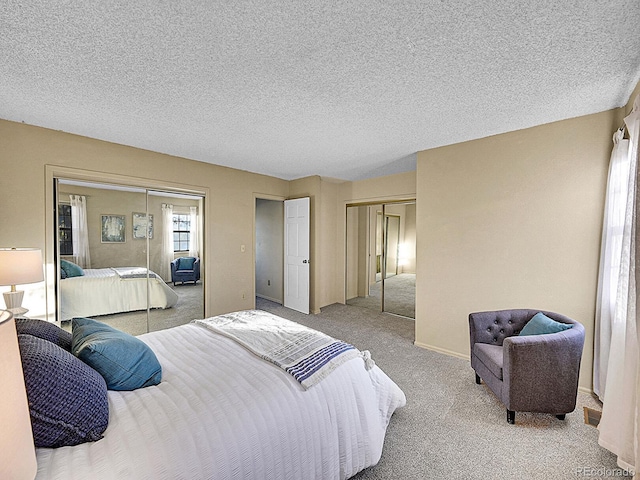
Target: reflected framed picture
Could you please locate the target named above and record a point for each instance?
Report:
(142, 225)
(113, 229)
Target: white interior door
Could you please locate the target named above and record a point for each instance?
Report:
(296, 257)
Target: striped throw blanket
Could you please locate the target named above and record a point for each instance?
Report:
(306, 354)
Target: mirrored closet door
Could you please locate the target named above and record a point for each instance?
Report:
(117, 251)
(381, 244)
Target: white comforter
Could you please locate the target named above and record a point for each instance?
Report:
(223, 413)
(102, 291)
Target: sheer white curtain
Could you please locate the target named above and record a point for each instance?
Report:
(167, 240)
(79, 230)
(610, 255)
(194, 232)
(620, 423)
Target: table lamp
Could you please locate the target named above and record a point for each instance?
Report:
(19, 266)
(17, 451)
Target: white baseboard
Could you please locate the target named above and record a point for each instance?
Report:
(433, 348)
(269, 298)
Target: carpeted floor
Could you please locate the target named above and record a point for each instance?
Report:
(451, 427)
(399, 296)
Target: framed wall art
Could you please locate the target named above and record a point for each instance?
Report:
(113, 229)
(142, 225)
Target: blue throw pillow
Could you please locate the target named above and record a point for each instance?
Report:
(45, 330)
(68, 401)
(540, 324)
(125, 362)
(186, 263)
(70, 269)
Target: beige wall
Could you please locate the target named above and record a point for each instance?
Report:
(511, 221)
(229, 210)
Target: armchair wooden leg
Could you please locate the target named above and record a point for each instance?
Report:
(561, 416)
(511, 416)
(478, 381)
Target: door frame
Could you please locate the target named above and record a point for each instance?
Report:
(262, 196)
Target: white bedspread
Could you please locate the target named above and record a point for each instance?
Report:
(102, 291)
(222, 413)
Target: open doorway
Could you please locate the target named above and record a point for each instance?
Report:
(380, 266)
(269, 248)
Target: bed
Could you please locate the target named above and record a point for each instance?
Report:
(103, 291)
(222, 412)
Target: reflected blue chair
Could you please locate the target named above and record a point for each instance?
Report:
(185, 269)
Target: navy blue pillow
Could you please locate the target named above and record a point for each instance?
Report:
(68, 400)
(45, 330)
(70, 269)
(125, 362)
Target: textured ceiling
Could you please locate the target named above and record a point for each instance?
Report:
(341, 89)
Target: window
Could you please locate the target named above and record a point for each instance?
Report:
(181, 232)
(65, 234)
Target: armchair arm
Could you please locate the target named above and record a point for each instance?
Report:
(540, 372)
(196, 267)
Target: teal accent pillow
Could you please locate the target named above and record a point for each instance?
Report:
(186, 263)
(70, 269)
(540, 324)
(125, 362)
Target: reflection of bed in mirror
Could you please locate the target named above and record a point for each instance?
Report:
(103, 291)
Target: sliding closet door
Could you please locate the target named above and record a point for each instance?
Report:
(380, 257)
(399, 282)
(95, 232)
(117, 233)
(177, 234)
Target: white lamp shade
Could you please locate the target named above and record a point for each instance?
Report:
(17, 451)
(19, 266)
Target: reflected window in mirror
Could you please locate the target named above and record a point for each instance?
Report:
(65, 231)
(181, 232)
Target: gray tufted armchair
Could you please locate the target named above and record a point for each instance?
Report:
(533, 373)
